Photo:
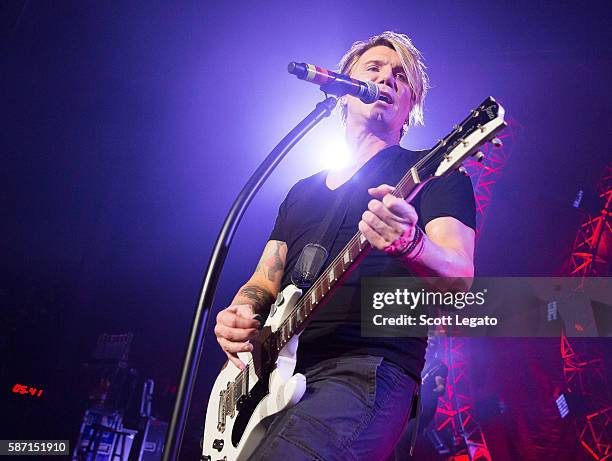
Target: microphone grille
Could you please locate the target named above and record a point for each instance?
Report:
(372, 94)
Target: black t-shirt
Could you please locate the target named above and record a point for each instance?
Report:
(335, 330)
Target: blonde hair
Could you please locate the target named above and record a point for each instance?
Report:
(412, 62)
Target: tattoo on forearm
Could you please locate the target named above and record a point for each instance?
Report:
(272, 265)
(259, 296)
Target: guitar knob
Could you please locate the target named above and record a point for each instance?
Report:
(463, 171)
(218, 444)
(497, 142)
(479, 156)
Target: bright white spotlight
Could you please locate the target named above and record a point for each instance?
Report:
(338, 155)
(332, 151)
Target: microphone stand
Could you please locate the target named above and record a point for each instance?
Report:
(201, 317)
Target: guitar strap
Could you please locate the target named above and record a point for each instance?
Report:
(328, 230)
(316, 253)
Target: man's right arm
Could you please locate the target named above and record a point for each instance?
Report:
(263, 286)
(235, 324)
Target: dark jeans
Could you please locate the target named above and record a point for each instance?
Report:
(354, 408)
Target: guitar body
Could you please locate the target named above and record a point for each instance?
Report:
(233, 433)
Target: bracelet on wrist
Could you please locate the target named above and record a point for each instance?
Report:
(419, 252)
(403, 244)
(418, 237)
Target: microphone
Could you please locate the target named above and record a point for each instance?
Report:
(337, 84)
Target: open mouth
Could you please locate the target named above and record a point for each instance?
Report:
(386, 98)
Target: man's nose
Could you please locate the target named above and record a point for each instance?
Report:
(386, 77)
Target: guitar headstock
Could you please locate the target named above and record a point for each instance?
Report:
(480, 126)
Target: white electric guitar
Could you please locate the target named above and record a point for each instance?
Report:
(241, 401)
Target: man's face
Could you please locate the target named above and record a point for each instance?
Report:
(383, 66)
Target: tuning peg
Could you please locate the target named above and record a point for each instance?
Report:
(497, 142)
(462, 170)
(479, 156)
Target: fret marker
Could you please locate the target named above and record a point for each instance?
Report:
(347, 257)
(313, 298)
(332, 277)
(362, 238)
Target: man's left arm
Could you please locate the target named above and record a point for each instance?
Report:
(445, 249)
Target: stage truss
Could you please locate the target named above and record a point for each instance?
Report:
(591, 252)
(485, 174)
(455, 414)
(585, 372)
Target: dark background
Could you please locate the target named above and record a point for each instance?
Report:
(129, 127)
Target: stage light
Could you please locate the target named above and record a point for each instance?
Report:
(336, 154)
(329, 148)
(551, 311)
(578, 404)
(562, 406)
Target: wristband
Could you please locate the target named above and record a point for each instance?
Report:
(418, 237)
(419, 252)
(403, 245)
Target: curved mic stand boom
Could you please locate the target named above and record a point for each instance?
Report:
(193, 352)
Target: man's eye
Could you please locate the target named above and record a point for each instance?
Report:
(372, 68)
(401, 76)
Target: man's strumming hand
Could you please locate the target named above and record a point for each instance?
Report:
(387, 218)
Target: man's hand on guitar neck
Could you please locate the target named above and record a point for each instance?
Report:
(235, 324)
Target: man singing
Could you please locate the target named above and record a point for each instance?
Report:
(359, 390)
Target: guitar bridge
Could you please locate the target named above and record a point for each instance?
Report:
(222, 412)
